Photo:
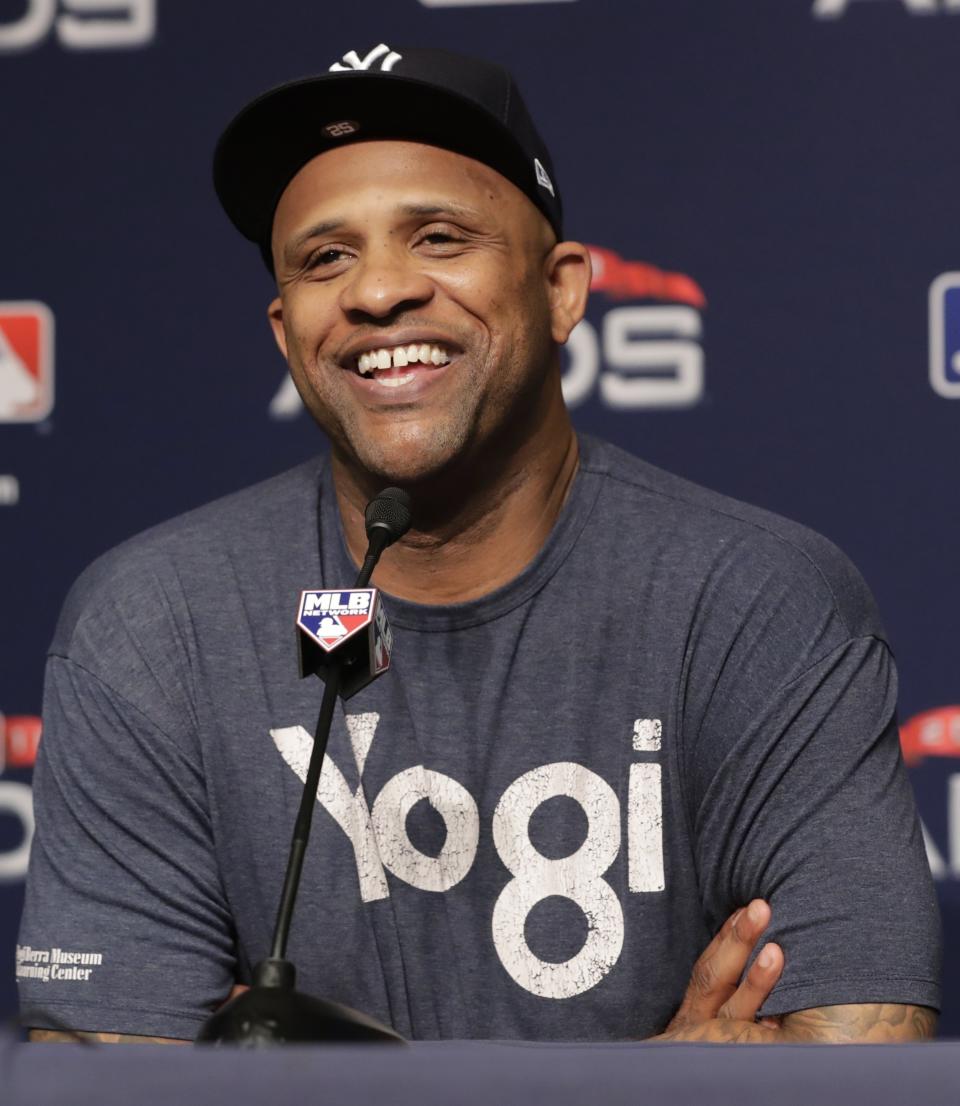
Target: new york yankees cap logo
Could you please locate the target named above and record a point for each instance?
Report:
(386, 57)
(457, 102)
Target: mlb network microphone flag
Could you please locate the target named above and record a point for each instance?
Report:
(346, 628)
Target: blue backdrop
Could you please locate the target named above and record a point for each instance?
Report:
(771, 191)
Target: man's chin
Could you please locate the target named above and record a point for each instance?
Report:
(414, 460)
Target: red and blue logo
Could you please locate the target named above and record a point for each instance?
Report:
(944, 310)
(332, 617)
(26, 362)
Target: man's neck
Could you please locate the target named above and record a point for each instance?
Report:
(475, 539)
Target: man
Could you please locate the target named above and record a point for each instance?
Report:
(621, 707)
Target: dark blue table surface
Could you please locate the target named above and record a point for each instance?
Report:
(483, 1073)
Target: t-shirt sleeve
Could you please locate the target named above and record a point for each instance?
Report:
(125, 926)
(800, 797)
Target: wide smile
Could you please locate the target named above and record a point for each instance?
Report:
(402, 371)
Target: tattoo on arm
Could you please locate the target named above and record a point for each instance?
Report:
(855, 1023)
(864, 1023)
(102, 1038)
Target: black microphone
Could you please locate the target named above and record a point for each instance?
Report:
(346, 632)
(271, 1011)
(387, 518)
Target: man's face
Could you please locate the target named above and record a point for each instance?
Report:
(414, 310)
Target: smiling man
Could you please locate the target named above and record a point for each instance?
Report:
(635, 733)
(422, 301)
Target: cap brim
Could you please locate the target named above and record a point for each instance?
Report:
(265, 146)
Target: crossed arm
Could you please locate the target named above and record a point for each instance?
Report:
(717, 1007)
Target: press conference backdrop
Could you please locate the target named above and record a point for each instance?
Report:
(770, 191)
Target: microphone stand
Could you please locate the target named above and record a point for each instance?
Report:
(272, 1011)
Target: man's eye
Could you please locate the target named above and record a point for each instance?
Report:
(440, 238)
(324, 257)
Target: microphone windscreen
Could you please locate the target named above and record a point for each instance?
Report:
(389, 511)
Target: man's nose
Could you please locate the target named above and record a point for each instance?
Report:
(384, 283)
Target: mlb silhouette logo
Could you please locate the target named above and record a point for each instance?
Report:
(330, 617)
(945, 335)
(26, 362)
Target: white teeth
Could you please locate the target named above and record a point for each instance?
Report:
(396, 381)
(398, 357)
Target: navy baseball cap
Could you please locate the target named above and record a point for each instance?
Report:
(459, 103)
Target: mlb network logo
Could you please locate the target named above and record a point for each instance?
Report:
(945, 335)
(330, 617)
(26, 362)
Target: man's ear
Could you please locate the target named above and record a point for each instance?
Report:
(568, 272)
(275, 315)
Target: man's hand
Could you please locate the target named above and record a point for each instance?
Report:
(717, 1007)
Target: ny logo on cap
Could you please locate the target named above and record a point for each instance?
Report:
(352, 60)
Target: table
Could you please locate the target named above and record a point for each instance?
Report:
(483, 1073)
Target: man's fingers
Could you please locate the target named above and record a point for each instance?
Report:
(237, 989)
(752, 993)
(716, 975)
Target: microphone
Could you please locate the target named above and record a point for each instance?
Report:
(348, 658)
(387, 518)
(347, 631)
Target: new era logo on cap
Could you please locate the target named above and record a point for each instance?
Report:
(26, 362)
(543, 177)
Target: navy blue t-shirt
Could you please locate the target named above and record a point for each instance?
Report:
(530, 827)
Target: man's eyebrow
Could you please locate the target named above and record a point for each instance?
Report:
(445, 208)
